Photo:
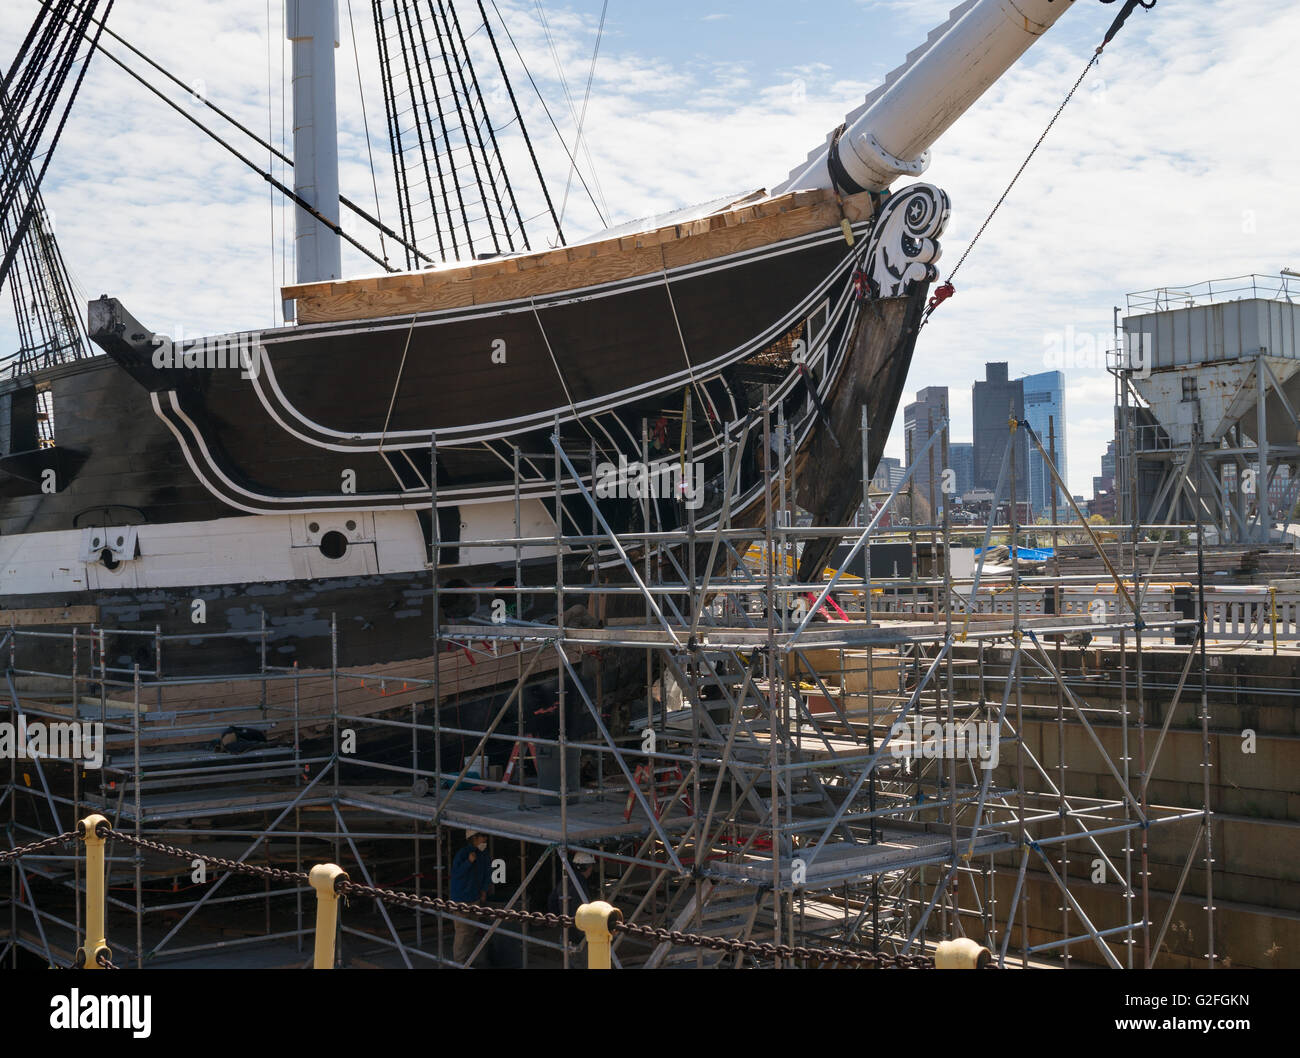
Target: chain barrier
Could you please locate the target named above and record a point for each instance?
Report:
(347, 888)
(36, 846)
(845, 956)
(251, 869)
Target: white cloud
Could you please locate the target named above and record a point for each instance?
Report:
(1153, 176)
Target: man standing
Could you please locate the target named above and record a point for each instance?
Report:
(471, 872)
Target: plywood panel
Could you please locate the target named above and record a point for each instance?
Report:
(737, 230)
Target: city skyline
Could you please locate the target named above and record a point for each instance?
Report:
(1038, 399)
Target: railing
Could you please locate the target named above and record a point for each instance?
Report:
(1216, 292)
(1259, 614)
(598, 920)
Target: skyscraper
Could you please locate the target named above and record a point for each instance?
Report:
(1045, 412)
(994, 402)
(920, 418)
(1108, 464)
(889, 472)
(961, 457)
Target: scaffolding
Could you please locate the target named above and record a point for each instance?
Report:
(694, 735)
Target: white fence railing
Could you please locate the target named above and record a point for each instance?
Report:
(1248, 613)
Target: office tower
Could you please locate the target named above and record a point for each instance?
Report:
(961, 458)
(920, 418)
(994, 402)
(1044, 396)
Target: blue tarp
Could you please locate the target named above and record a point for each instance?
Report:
(1029, 554)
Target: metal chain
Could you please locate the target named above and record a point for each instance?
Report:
(36, 846)
(346, 887)
(772, 951)
(273, 873)
(778, 951)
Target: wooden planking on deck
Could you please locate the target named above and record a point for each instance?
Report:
(745, 226)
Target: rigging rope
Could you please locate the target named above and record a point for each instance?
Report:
(46, 97)
(946, 290)
(582, 121)
(523, 129)
(284, 158)
(365, 122)
(1024, 165)
(270, 162)
(542, 99)
(578, 146)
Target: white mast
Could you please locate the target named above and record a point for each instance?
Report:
(892, 135)
(313, 26)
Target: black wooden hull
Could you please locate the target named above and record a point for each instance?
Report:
(333, 432)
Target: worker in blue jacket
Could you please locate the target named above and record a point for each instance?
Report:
(471, 873)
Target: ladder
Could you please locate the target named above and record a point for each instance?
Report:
(516, 755)
(660, 785)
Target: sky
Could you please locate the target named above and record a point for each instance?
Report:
(1174, 164)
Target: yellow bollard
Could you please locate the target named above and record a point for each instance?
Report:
(961, 954)
(323, 877)
(95, 946)
(594, 920)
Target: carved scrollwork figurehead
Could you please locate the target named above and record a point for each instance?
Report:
(904, 243)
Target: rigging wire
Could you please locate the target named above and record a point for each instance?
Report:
(568, 97)
(393, 115)
(26, 142)
(270, 162)
(415, 80)
(451, 175)
(284, 158)
(365, 121)
(542, 99)
(284, 142)
(501, 177)
(523, 128)
(946, 290)
(1093, 61)
(280, 186)
(591, 76)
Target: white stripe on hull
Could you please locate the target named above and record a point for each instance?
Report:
(248, 550)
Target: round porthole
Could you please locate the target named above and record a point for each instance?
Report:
(334, 544)
(313, 528)
(352, 526)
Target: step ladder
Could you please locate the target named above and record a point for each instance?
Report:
(660, 786)
(516, 754)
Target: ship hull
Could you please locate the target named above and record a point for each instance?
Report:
(291, 487)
